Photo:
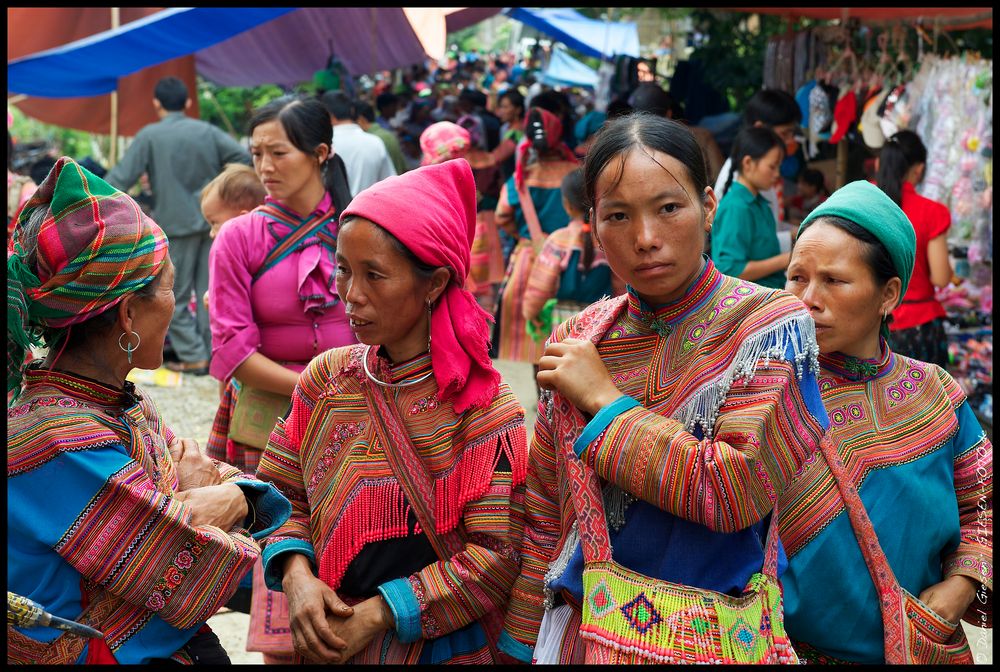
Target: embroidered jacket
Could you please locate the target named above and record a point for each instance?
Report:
(923, 468)
(349, 507)
(91, 515)
(720, 408)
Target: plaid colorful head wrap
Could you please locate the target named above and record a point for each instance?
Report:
(95, 246)
(443, 141)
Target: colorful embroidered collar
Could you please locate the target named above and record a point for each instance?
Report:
(82, 388)
(408, 370)
(855, 369)
(662, 319)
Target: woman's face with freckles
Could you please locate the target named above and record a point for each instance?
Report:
(651, 221)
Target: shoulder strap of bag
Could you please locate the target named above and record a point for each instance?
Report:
(300, 231)
(882, 575)
(410, 471)
(531, 217)
(592, 523)
(416, 482)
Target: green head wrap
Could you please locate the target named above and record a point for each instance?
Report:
(870, 208)
(94, 247)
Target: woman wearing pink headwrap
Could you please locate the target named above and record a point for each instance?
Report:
(444, 141)
(403, 455)
(543, 160)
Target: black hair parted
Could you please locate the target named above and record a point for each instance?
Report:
(642, 129)
(307, 124)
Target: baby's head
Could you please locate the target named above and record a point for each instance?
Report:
(233, 192)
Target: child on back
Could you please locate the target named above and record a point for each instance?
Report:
(569, 273)
(233, 192)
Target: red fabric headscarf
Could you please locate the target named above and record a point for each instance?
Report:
(432, 211)
(553, 137)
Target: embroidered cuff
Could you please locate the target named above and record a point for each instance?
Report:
(601, 422)
(514, 648)
(405, 609)
(971, 564)
(272, 560)
(269, 509)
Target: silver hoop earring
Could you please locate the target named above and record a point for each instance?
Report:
(429, 315)
(128, 348)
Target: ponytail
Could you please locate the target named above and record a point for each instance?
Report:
(900, 152)
(335, 182)
(752, 141)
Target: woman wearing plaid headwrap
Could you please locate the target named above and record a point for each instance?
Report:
(146, 538)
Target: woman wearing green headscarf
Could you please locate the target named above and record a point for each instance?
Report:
(112, 520)
(889, 533)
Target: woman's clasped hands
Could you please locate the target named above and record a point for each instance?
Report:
(324, 628)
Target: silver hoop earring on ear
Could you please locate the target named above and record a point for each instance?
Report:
(429, 315)
(128, 348)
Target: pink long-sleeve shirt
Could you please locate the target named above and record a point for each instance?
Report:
(268, 316)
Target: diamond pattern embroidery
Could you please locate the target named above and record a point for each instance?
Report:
(601, 601)
(641, 614)
(742, 633)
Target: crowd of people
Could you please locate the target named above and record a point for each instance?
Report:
(746, 449)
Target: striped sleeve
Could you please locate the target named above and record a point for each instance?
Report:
(117, 529)
(974, 489)
(280, 464)
(765, 429)
(543, 281)
(541, 524)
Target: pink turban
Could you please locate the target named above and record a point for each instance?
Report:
(443, 141)
(432, 211)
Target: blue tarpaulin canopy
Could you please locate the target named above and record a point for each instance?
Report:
(564, 70)
(92, 66)
(242, 46)
(590, 37)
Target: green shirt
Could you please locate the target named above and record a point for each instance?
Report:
(744, 231)
(392, 145)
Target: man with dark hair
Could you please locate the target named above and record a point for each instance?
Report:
(650, 97)
(366, 158)
(180, 155)
(366, 120)
(388, 105)
(777, 110)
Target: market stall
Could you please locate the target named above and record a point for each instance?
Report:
(866, 77)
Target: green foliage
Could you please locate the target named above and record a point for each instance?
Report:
(466, 39)
(61, 141)
(732, 55)
(230, 107)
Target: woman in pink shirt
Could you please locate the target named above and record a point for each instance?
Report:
(271, 290)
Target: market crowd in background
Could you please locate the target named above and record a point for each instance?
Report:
(519, 166)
